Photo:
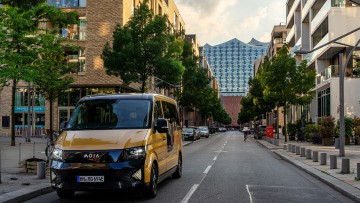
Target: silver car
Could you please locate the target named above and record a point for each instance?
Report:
(204, 131)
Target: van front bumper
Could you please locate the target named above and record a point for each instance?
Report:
(115, 175)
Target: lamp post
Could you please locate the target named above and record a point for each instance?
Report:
(342, 68)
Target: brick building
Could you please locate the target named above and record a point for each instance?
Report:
(97, 20)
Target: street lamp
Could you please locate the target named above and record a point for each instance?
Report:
(341, 83)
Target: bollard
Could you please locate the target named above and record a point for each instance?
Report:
(358, 171)
(333, 162)
(297, 150)
(19, 152)
(345, 166)
(302, 151)
(315, 156)
(293, 148)
(308, 154)
(41, 168)
(322, 158)
(289, 147)
(285, 147)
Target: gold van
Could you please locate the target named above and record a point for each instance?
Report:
(116, 142)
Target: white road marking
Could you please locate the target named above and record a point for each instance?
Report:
(207, 169)
(190, 193)
(215, 158)
(247, 188)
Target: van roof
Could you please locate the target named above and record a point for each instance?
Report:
(125, 96)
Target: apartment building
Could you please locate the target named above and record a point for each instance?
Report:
(312, 25)
(193, 117)
(97, 20)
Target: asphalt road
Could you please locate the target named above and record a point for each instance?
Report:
(225, 168)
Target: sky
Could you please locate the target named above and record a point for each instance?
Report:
(217, 21)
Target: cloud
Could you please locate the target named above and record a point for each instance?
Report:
(206, 6)
(217, 21)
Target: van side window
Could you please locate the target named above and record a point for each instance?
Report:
(157, 110)
(170, 112)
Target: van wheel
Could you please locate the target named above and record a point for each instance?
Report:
(151, 192)
(178, 172)
(65, 194)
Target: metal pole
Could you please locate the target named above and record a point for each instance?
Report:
(0, 164)
(28, 131)
(341, 75)
(341, 105)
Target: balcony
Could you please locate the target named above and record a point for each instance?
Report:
(327, 73)
(316, 53)
(306, 9)
(292, 10)
(320, 16)
(291, 34)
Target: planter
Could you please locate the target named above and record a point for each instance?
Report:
(347, 140)
(327, 141)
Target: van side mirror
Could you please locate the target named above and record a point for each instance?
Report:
(162, 125)
(63, 125)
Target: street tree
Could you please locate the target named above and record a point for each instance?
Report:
(286, 83)
(19, 48)
(144, 47)
(52, 71)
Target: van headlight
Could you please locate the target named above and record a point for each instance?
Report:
(134, 153)
(57, 154)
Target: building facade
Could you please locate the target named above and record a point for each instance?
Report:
(232, 63)
(312, 24)
(97, 20)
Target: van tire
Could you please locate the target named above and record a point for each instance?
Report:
(65, 194)
(151, 191)
(178, 172)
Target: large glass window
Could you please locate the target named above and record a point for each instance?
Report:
(67, 3)
(324, 103)
(111, 114)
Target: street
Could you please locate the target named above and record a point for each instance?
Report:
(224, 168)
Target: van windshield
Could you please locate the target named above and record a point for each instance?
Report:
(110, 114)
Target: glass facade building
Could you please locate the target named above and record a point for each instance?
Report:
(232, 64)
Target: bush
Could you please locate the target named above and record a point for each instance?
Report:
(349, 125)
(291, 128)
(311, 128)
(327, 128)
(356, 126)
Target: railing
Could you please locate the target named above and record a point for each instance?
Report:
(327, 73)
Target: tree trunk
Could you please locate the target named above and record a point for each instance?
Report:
(51, 118)
(285, 123)
(277, 122)
(13, 113)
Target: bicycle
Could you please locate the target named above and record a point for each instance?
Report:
(50, 145)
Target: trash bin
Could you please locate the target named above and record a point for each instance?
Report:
(270, 131)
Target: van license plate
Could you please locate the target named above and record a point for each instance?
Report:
(90, 179)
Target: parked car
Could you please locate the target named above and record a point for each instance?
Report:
(189, 134)
(260, 131)
(222, 129)
(204, 131)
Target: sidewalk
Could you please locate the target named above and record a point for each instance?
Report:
(17, 186)
(344, 183)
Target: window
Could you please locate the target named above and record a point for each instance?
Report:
(67, 3)
(82, 29)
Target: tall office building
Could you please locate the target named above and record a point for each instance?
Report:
(232, 63)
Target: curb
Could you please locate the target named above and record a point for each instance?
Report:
(26, 194)
(344, 188)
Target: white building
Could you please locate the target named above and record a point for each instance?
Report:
(312, 24)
